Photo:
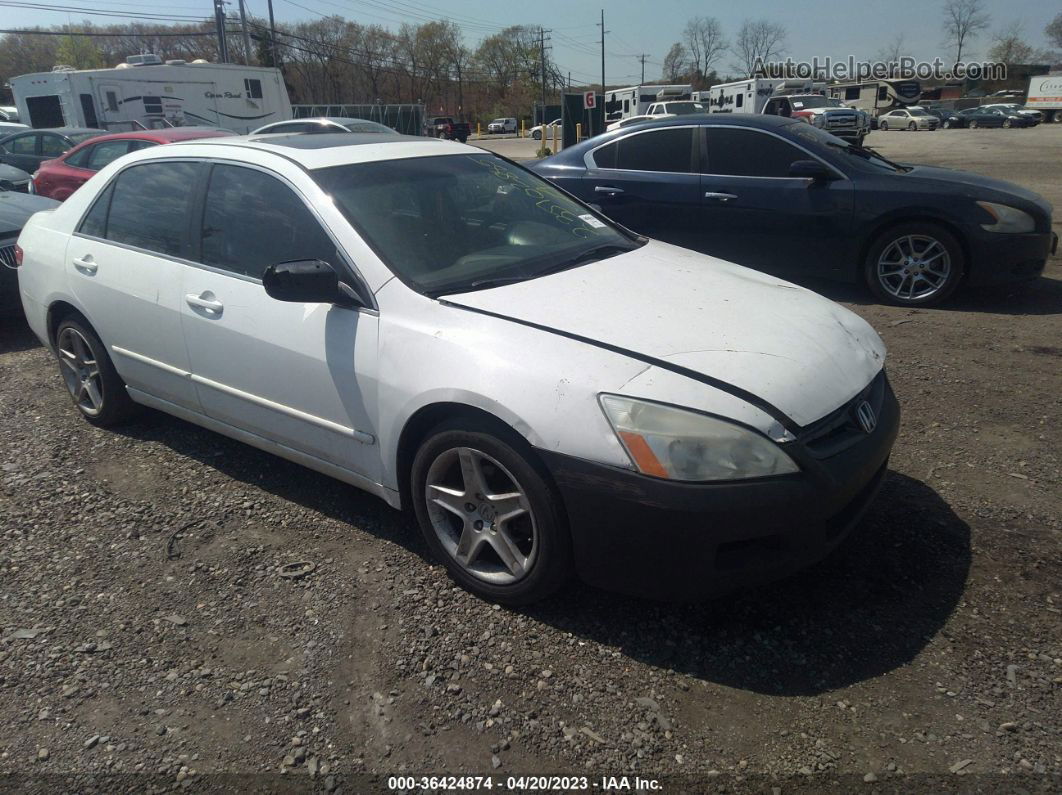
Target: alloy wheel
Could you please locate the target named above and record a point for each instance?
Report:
(912, 126)
(481, 515)
(973, 124)
(913, 267)
(884, 125)
(81, 371)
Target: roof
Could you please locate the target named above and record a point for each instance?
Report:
(322, 150)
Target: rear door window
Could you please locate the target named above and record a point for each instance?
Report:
(668, 150)
(150, 207)
(53, 145)
(104, 153)
(252, 220)
(749, 153)
(23, 145)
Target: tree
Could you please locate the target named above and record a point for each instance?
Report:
(705, 42)
(892, 52)
(758, 42)
(1010, 47)
(676, 62)
(1053, 31)
(963, 20)
(79, 52)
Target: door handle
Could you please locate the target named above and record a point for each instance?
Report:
(722, 197)
(608, 189)
(204, 301)
(86, 264)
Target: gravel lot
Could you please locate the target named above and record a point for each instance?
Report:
(146, 627)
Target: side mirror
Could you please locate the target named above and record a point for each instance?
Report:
(310, 281)
(809, 169)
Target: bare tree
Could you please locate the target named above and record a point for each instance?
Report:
(705, 42)
(963, 20)
(1053, 31)
(676, 62)
(892, 52)
(1009, 46)
(758, 42)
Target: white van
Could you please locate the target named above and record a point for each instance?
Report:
(507, 125)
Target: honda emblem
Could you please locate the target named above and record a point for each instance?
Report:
(868, 420)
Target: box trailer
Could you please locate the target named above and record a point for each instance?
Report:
(1045, 95)
(145, 92)
(622, 103)
(878, 96)
(749, 96)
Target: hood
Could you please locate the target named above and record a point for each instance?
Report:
(800, 352)
(16, 208)
(978, 187)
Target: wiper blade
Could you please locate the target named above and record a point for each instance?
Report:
(595, 253)
(590, 255)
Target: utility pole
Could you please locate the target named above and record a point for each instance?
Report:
(273, 37)
(246, 38)
(219, 21)
(643, 57)
(603, 32)
(542, 62)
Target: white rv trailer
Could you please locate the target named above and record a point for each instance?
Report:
(878, 96)
(144, 92)
(749, 96)
(622, 103)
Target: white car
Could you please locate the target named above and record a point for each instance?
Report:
(621, 123)
(676, 108)
(502, 126)
(552, 128)
(547, 392)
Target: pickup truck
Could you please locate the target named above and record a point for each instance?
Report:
(449, 128)
(831, 115)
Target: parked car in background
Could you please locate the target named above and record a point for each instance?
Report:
(1014, 107)
(15, 209)
(29, 148)
(449, 128)
(635, 120)
(676, 108)
(785, 197)
(993, 117)
(8, 113)
(396, 313)
(506, 125)
(536, 132)
(9, 127)
(827, 114)
(59, 178)
(948, 118)
(324, 124)
(908, 119)
(14, 179)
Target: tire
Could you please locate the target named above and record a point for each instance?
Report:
(883, 125)
(536, 540)
(912, 127)
(537, 135)
(947, 124)
(889, 274)
(94, 385)
(1008, 123)
(972, 124)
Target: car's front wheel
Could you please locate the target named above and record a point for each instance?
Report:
(914, 264)
(912, 127)
(1007, 123)
(488, 511)
(973, 124)
(537, 135)
(884, 125)
(93, 383)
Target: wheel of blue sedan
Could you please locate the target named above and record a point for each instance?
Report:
(914, 264)
(489, 513)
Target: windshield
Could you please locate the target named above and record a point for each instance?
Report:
(683, 108)
(810, 134)
(498, 121)
(367, 127)
(452, 223)
(835, 103)
(809, 102)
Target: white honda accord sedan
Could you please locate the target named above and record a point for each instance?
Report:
(548, 392)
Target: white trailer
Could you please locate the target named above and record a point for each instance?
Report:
(1045, 95)
(878, 96)
(622, 103)
(144, 92)
(749, 96)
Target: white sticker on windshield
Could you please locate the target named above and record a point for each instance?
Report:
(592, 222)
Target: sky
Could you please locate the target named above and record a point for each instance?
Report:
(815, 27)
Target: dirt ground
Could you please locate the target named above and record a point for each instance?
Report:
(148, 637)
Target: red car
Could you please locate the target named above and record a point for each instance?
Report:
(58, 178)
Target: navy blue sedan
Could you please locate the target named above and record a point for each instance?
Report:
(785, 197)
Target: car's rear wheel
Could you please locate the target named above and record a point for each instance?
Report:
(537, 135)
(93, 383)
(488, 511)
(947, 124)
(1007, 123)
(883, 125)
(973, 124)
(914, 264)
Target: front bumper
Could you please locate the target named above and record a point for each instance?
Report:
(1000, 258)
(687, 541)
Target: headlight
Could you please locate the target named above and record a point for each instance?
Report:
(672, 443)
(1008, 219)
